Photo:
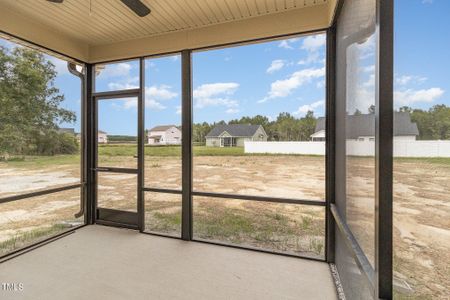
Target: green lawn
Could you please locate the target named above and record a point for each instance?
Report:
(130, 150)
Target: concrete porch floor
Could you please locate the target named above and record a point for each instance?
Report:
(98, 262)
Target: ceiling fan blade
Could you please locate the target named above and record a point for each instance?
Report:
(56, 1)
(137, 6)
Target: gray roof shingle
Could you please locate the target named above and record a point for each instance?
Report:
(234, 130)
(364, 125)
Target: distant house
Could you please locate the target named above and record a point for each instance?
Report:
(362, 128)
(234, 135)
(102, 137)
(164, 135)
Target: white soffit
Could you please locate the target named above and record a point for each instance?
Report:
(98, 30)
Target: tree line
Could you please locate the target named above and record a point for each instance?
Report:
(285, 127)
(433, 124)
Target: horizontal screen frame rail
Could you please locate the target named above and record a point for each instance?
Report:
(109, 95)
(116, 170)
(260, 198)
(352, 244)
(161, 190)
(40, 193)
(239, 197)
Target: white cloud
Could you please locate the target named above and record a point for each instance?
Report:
(313, 45)
(370, 82)
(153, 104)
(369, 69)
(153, 97)
(215, 94)
(320, 84)
(276, 65)
(365, 49)
(232, 111)
(427, 1)
(410, 96)
(114, 70)
(129, 103)
(313, 42)
(286, 44)
(178, 110)
(155, 94)
(215, 101)
(302, 110)
(212, 89)
(313, 57)
(126, 84)
(283, 88)
(405, 79)
(161, 92)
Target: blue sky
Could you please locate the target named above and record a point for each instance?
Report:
(272, 77)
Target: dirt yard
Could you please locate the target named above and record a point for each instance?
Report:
(421, 222)
(421, 207)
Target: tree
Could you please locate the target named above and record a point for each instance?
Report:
(307, 126)
(433, 124)
(30, 102)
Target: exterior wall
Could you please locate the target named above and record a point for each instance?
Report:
(171, 136)
(402, 148)
(241, 140)
(257, 135)
(212, 142)
(318, 136)
(102, 138)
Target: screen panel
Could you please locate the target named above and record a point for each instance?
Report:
(285, 228)
(163, 122)
(421, 185)
(28, 221)
(259, 119)
(117, 191)
(117, 76)
(356, 44)
(117, 132)
(163, 213)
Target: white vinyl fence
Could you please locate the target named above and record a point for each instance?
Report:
(357, 148)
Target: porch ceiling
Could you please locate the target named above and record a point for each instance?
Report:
(99, 30)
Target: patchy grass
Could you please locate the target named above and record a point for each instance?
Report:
(441, 161)
(41, 161)
(277, 227)
(29, 237)
(121, 150)
(273, 227)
